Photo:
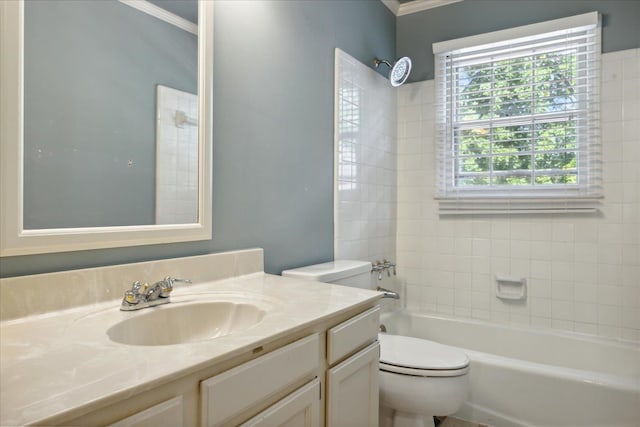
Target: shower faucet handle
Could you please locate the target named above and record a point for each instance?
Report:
(384, 265)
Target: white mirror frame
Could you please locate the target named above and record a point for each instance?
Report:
(14, 239)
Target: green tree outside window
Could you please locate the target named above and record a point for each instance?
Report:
(515, 123)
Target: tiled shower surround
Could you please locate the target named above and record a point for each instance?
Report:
(365, 161)
(176, 157)
(582, 270)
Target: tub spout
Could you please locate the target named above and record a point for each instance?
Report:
(386, 293)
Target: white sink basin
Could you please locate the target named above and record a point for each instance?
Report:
(177, 323)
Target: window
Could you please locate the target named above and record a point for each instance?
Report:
(518, 114)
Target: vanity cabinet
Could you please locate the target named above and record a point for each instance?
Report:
(352, 377)
(322, 375)
(303, 363)
(351, 395)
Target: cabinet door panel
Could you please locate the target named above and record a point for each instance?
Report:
(167, 413)
(352, 390)
(347, 337)
(300, 409)
(231, 393)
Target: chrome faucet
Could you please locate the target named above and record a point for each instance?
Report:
(386, 293)
(380, 266)
(143, 295)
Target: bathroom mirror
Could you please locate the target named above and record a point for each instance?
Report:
(82, 169)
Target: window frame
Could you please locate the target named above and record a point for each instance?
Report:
(587, 169)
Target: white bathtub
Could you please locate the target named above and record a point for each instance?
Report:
(529, 377)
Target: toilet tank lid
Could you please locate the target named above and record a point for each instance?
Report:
(330, 271)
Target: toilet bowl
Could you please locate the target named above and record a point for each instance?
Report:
(418, 378)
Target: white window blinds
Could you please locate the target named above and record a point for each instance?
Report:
(518, 117)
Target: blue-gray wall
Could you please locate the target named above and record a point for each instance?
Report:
(417, 32)
(273, 132)
(273, 113)
(187, 9)
(91, 71)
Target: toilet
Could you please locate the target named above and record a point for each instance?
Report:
(418, 378)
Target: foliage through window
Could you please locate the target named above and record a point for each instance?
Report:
(518, 117)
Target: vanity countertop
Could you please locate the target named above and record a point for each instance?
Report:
(63, 362)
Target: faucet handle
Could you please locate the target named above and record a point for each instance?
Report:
(166, 286)
(131, 297)
(136, 293)
(137, 288)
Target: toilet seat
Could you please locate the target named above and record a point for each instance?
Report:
(422, 372)
(417, 357)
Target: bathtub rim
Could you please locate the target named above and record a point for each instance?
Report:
(532, 329)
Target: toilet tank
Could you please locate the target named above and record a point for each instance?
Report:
(356, 274)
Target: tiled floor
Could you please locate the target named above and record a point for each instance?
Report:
(454, 422)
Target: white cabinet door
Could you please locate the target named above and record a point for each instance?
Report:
(237, 390)
(352, 390)
(300, 409)
(352, 335)
(167, 413)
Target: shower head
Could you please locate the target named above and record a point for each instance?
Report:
(399, 71)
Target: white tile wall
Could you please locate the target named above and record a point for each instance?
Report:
(176, 158)
(583, 272)
(365, 163)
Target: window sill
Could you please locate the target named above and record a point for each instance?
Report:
(510, 206)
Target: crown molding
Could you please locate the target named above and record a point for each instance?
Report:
(392, 5)
(414, 6)
(162, 14)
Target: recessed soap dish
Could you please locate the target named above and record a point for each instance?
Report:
(511, 288)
